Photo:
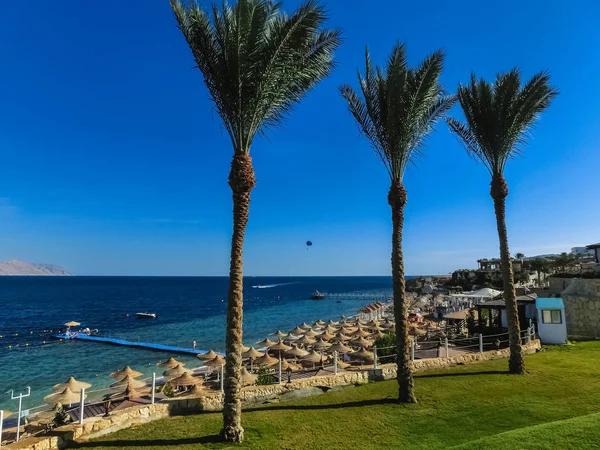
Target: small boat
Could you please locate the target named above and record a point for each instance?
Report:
(317, 296)
(146, 315)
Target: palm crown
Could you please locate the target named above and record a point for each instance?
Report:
(499, 117)
(257, 61)
(399, 106)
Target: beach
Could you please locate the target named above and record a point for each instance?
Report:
(189, 309)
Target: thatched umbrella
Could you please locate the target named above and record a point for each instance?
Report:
(72, 324)
(247, 378)
(311, 333)
(129, 393)
(170, 363)
(296, 352)
(373, 324)
(126, 372)
(318, 324)
(375, 328)
(305, 340)
(245, 349)
(361, 342)
(297, 331)
(321, 344)
(313, 357)
(216, 362)
(347, 330)
(286, 364)
(72, 384)
(175, 372)
(279, 334)
(199, 391)
(377, 335)
(331, 323)
(330, 330)
(65, 397)
(342, 337)
(361, 332)
(343, 365)
(186, 380)
(340, 348)
(267, 361)
(414, 331)
(129, 380)
(305, 326)
(266, 343)
(279, 346)
(208, 355)
(252, 353)
(326, 336)
(362, 355)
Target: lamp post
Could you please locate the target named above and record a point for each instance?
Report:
(20, 397)
(288, 371)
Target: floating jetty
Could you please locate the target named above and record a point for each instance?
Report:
(144, 345)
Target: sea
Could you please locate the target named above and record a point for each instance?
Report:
(33, 309)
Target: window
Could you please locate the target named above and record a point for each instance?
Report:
(551, 316)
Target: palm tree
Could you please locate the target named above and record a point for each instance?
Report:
(257, 62)
(563, 262)
(499, 118)
(398, 108)
(540, 265)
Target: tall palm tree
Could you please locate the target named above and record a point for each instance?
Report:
(257, 62)
(498, 120)
(398, 108)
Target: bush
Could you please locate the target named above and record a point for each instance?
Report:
(383, 350)
(265, 377)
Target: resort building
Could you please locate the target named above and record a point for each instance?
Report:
(492, 314)
(596, 249)
(494, 264)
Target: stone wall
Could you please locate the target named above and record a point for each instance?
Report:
(98, 426)
(582, 305)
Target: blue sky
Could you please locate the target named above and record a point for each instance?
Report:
(113, 161)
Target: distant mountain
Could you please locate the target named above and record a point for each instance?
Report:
(24, 268)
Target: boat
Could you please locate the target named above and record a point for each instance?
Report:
(317, 296)
(146, 315)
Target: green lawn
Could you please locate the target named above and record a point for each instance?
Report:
(469, 407)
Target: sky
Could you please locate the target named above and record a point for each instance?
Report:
(114, 162)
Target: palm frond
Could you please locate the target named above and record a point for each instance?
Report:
(499, 117)
(398, 107)
(257, 61)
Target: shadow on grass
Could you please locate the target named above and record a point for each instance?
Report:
(462, 374)
(284, 407)
(212, 439)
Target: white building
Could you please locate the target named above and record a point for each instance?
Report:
(582, 251)
(552, 325)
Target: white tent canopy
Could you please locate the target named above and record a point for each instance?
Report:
(487, 293)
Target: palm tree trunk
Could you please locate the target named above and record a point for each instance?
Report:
(499, 191)
(397, 200)
(241, 180)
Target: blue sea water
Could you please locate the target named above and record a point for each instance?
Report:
(188, 308)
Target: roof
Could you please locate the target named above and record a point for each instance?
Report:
(593, 246)
(549, 303)
(500, 302)
(460, 315)
(485, 292)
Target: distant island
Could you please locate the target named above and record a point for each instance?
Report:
(23, 268)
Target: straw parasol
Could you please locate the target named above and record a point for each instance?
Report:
(297, 331)
(72, 384)
(305, 340)
(206, 356)
(375, 328)
(319, 323)
(175, 372)
(342, 337)
(387, 323)
(326, 336)
(72, 324)
(361, 342)
(186, 380)
(7, 414)
(129, 380)
(342, 364)
(266, 360)
(377, 335)
(331, 323)
(279, 346)
(199, 391)
(414, 331)
(313, 357)
(245, 349)
(296, 352)
(286, 364)
(252, 353)
(126, 372)
(330, 329)
(340, 348)
(373, 323)
(279, 334)
(170, 363)
(321, 344)
(129, 393)
(305, 326)
(65, 397)
(347, 330)
(311, 333)
(266, 343)
(361, 332)
(217, 361)
(363, 355)
(247, 378)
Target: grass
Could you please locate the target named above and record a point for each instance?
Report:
(555, 405)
